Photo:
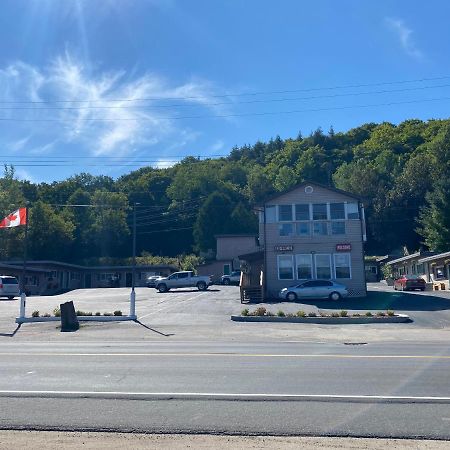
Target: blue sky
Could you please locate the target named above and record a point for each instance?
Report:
(91, 85)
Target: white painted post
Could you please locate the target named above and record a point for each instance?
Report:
(133, 304)
(23, 301)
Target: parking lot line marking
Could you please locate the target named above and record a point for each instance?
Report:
(228, 355)
(171, 305)
(219, 396)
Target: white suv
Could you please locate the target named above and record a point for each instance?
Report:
(9, 287)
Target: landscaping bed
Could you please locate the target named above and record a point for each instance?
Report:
(262, 315)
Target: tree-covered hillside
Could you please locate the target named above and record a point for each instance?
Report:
(401, 173)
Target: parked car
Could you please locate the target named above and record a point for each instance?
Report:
(408, 283)
(314, 289)
(152, 280)
(9, 287)
(233, 278)
(182, 280)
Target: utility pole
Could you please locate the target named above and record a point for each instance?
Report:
(133, 275)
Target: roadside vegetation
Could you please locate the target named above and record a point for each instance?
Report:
(400, 171)
(263, 312)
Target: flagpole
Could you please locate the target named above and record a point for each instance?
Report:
(23, 297)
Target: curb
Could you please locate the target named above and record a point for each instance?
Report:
(80, 319)
(398, 318)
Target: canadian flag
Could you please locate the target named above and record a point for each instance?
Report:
(15, 219)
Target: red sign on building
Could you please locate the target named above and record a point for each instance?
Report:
(343, 247)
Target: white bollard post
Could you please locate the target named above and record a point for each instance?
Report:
(133, 304)
(23, 301)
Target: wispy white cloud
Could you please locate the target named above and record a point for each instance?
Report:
(404, 34)
(218, 145)
(18, 145)
(127, 123)
(23, 174)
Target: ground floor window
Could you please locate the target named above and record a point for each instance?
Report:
(285, 267)
(226, 269)
(342, 265)
(304, 266)
(323, 266)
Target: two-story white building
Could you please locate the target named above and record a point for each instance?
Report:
(311, 232)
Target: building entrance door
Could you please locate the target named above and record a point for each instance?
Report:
(87, 280)
(129, 279)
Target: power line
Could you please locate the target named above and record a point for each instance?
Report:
(242, 94)
(165, 231)
(212, 116)
(289, 99)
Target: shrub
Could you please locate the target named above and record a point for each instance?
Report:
(118, 313)
(290, 315)
(390, 313)
(281, 313)
(301, 313)
(78, 312)
(244, 312)
(35, 314)
(369, 314)
(356, 315)
(312, 314)
(343, 313)
(380, 314)
(323, 314)
(57, 312)
(98, 313)
(107, 314)
(46, 315)
(261, 311)
(334, 314)
(269, 314)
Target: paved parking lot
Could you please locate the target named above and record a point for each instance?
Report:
(190, 314)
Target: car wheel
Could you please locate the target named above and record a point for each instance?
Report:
(226, 281)
(395, 287)
(291, 296)
(162, 288)
(335, 296)
(422, 289)
(11, 297)
(201, 286)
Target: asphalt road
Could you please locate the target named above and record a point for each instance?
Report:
(385, 390)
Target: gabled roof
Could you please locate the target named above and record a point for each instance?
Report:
(408, 257)
(435, 257)
(307, 183)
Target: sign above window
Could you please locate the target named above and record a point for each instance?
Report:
(284, 248)
(343, 247)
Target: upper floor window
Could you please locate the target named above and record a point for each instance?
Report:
(271, 214)
(320, 211)
(286, 229)
(352, 211)
(338, 227)
(302, 212)
(285, 213)
(337, 211)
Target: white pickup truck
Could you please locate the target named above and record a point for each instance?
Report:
(182, 280)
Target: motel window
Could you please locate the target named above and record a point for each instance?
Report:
(337, 211)
(338, 227)
(285, 267)
(439, 272)
(271, 214)
(320, 228)
(286, 229)
(320, 211)
(352, 211)
(323, 266)
(32, 280)
(304, 266)
(342, 265)
(285, 213)
(303, 229)
(421, 269)
(302, 212)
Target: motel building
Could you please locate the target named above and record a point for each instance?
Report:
(310, 232)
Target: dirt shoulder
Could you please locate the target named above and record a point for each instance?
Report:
(65, 440)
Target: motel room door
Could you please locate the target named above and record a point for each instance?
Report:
(128, 279)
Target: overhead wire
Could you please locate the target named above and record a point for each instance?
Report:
(288, 99)
(240, 94)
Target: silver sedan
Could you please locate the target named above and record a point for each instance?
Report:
(314, 289)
